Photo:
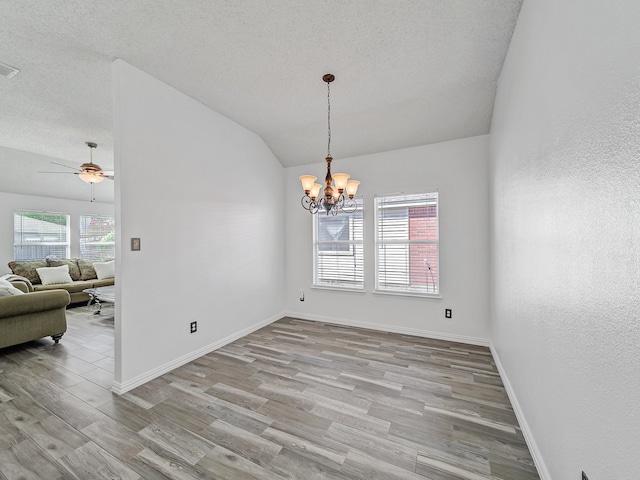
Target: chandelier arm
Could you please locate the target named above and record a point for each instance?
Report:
(349, 205)
(307, 202)
(322, 204)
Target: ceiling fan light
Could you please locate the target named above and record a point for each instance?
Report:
(85, 177)
(91, 177)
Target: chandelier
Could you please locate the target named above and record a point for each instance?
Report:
(333, 199)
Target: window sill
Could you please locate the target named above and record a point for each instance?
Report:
(338, 289)
(425, 296)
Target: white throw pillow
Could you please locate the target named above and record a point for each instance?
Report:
(54, 275)
(6, 289)
(105, 269)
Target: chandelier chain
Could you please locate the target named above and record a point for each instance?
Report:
(328, 119)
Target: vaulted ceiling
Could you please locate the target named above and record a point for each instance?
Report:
(408, 72)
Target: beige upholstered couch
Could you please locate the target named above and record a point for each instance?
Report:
(32, 315)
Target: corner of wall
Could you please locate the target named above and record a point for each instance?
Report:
(536, 454)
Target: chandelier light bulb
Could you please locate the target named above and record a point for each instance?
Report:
(352, 187)
(315, 190)
(341, 180)
(307, 182)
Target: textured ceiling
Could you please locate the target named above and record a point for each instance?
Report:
(408, 72)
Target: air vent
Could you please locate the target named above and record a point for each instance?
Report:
(8, 71)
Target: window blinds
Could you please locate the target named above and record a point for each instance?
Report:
(37, 235)
(407, 259)
(97, 237)
(338, 249)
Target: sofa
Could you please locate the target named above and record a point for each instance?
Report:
(26, 316)
(82, 275)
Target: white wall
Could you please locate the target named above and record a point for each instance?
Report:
(204, 196)
(10, 202)
(565, 233)
(458, 170)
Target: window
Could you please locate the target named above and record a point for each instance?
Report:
(407, 244)
(338, 250)
(37, 235)
(97, 237)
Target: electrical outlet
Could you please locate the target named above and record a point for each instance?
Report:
(447, 313)
(194, 327)
(301, 292)
(584, 476)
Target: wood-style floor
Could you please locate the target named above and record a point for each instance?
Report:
(294, 400)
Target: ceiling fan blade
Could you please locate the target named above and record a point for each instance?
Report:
(110, 177)
(65, 166)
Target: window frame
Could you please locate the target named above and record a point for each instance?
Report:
(410, 290)
(44, 244)
(356, 248)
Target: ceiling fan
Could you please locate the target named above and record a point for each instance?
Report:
(88, 172)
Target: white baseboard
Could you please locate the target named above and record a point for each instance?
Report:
(524, 426)
(121, 388)
(452, 337)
